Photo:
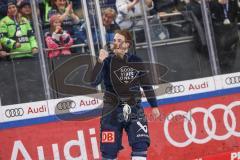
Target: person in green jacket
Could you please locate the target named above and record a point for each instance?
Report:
(16, 34)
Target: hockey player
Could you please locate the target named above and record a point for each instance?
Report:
(123, 74)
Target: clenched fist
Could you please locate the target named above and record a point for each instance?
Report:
(102, 55)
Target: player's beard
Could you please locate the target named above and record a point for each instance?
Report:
(122, 47)
(119, 55)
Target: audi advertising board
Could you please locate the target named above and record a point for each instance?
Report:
(56, 72)
(231, 80)
(222, 156)
(75, 104)
(24, 111)
(188, 87)
(199, 126)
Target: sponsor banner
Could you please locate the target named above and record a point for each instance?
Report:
(24, 111)
(75, 104)
(88, 102)
(233, 155)
(230, 80)
(183, 88)
(184, 131)
(222, 156)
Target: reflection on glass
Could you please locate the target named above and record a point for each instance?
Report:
(224, 16)
(20, 78)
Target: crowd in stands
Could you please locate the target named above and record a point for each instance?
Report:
(65, 22)
(16, 34)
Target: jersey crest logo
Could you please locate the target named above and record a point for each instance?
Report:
(126, 74)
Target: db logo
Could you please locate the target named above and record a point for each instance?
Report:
(108, 137)
(235, 156)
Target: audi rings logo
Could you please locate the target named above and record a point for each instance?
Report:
(210, 131)
(66, 104)
(232, 80)
(175, 89)
(15, 112)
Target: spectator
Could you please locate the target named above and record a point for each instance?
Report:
(128, 9)
(108, 17)
(25, 9)
(45, 8)
(68, 17)
(224, 16)
(224, 29)
(3, 53)
(16, 33)
(225, 11)
(130, 14)
(57, 37)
